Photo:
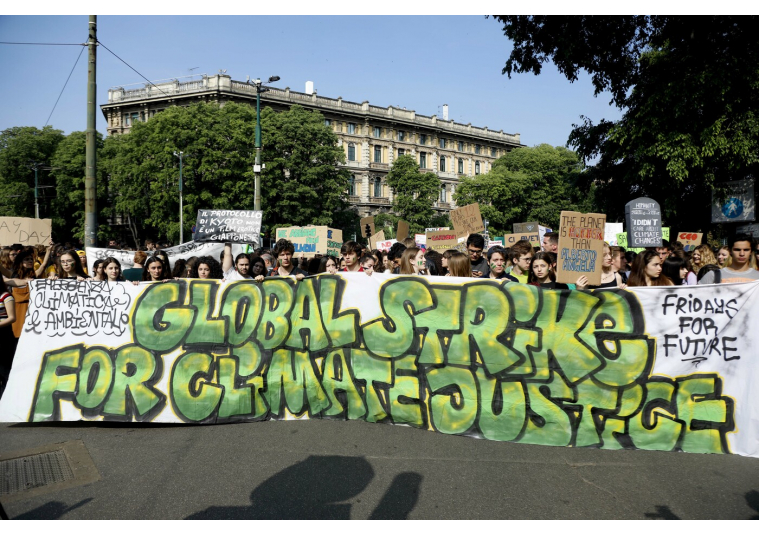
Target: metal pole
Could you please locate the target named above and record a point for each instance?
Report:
(257, 166)
(90, 181)
(36, 196)
(181, 219)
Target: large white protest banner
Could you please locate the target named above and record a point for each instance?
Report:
(182, 251)
(655, 368)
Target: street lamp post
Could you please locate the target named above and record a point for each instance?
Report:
(36, 166)
(487, 235)
(181, 218)
(257, 166)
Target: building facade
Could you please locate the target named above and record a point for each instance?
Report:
(371, 136)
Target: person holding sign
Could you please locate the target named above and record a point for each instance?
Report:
(240, 269)
(497, 260)
(70, 267)
(609, 278)
(284, 251)
(350, 252)
(647, 271)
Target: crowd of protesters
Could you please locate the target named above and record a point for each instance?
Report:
(669, 265)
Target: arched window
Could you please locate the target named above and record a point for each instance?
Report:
(477, 167)
(442, 163)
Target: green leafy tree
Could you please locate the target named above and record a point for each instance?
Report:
(302, 183)
(20, 148)
(688, 90)
(527, 184)
(414, 192)
(69, 168)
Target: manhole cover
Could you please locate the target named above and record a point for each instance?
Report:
(29, 472)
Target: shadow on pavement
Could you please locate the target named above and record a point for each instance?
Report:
(51, 510)
(752, 498)
(662, 512)
(400, 498)
(309, 489)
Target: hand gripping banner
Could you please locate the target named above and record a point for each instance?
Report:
(666, 368)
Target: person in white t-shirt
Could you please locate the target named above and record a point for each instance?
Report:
(740, 270)
(240, 269)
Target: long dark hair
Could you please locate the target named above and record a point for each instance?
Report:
(213, 264)
(146, 272)
(671, 268)
(78, 270)
(546, 257)
(95, 270)
(18, 270)
(638, 271)
(323, 264)
(112, 260)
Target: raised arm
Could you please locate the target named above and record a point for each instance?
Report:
(43, 264)
(228, 262)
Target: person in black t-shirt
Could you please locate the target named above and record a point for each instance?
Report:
(474, 246)
(283, 251)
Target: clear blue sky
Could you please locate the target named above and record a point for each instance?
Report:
(417, 62)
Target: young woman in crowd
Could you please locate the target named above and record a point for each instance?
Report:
(444, 260)
(723, 257)
(647, 271)
(459, 265)
(189, 265)
(609, 278)
(258, 268)
(180, 269)
(7, 338)
(701, 256)
(709, 268)
(6, 262)
(367, 262)
(497, 263)
(379, 261)
(328, 265)
(619, 263)
(97, 270)
(434, 262)
(541, 273)
(207, 268)
(675, 269)
(112, 270)
(70, 267)
(154, 270)
(23, 268)
(412, 262)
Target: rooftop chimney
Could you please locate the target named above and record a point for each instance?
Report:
(445, 112)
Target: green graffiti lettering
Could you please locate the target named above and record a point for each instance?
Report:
(340, 325)
(161, 321)
(240, 377)
(205, 329)
(95, 378)
(548, 423)
(337, 383)
(406, 398)
(57, 380)
(277, 303)
(377, 374)
(193, 395)
(241, 307)
(136, 372)
(308, 332)
(656, 426)
(705, 412)
(436, 325)
(503, 408)
(453, 399)
(293, 373)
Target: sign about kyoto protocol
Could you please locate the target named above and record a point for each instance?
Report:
(237, 226)
(581, 242)
(313, 239)
(664, 368)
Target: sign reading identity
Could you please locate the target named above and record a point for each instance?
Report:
(581, 243)
(739, 205)
(236, 226)
(312, 240)
(643, 222)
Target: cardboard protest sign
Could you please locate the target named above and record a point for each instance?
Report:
(379, 237)
(611, 231)
(237, 226)
(402, 232)
(313, 240)
(690, 241)
(467, 220)
(511, 239)
(368, 220)
(385, 245)
(740, 204)
(643, 222)
(441, 240)
(531, 228)
(581, 243)
(118, 351)
(25, 231)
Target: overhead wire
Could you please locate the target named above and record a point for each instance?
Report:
(135, 70)
(64, 87)
(45, 44)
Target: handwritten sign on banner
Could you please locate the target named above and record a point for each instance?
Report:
(313, 240)
(237, 226)
(467, 220)
(581, 242)
(26, 231)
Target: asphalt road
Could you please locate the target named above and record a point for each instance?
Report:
(356, 470)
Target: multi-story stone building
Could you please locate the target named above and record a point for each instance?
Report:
(371, 136)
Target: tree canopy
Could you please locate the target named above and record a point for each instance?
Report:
(688, 90)
(527, 184)
(414, 192)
